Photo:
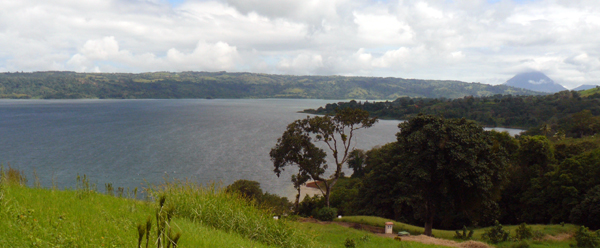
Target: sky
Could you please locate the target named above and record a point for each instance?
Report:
(487, 41)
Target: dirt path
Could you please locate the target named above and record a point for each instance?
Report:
(379, 231)
(443, 242)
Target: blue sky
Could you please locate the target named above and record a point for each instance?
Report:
(486, 41)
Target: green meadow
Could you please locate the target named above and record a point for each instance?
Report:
(200, 215)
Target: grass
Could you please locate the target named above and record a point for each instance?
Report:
(205, 216)
(447, 234)
(211, 206)
(332, 235)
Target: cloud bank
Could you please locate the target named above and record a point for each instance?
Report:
(469, 40)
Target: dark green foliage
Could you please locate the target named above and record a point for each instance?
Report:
(251, 191)
(464, 235)
(326, 214)
(523, 232)
(246, 188)
(587, 212)
(379, 189)
(70, 85)
(349, 243)
(296, 146)
(309, 205)
(356, 162)
(586, 238)
(496, 234)
(532, 112)
(344, 195)
(447, 163)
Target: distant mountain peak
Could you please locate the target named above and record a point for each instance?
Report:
(536, 81)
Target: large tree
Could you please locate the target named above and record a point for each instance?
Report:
(296, 145)
(448, 164)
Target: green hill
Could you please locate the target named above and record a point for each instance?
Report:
(160, 85)
(200, 216)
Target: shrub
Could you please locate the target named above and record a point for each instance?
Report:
(523, 232)
(496, 234)
(350, 243)
(464, 235)
(586, 238)
(326, 214)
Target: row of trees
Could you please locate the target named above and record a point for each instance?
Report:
(450, 172)
(496, 111)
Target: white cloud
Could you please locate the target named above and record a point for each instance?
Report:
(469, 40)
(95, 54)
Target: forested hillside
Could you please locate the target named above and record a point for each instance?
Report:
(71, 85)
(498, 110)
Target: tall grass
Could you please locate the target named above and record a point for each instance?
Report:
(210, 205)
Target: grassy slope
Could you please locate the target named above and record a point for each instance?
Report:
(34, 217)
(546, 229)
(53, 218)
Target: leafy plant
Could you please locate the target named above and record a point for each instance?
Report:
(326, 214)
(464, 235)
(586, 238)
(496, 234)
(523, 232)
(350, 243)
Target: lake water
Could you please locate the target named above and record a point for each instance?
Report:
(131, 143)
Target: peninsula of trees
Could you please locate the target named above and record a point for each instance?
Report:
(171, 85)
(495, 111)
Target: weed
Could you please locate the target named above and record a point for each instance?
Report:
(109, 189)
(13, 176)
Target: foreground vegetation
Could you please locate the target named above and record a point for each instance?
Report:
(160, 85)
(199, 216)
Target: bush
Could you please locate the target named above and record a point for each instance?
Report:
(523, 232)
(309, 205)
(350, 243)
(326, 214)
(464, 235)
(586, 238)
(496, 234)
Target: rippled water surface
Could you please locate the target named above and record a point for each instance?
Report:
(129, 142)
(133, 142)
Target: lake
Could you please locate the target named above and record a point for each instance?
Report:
(132, 143)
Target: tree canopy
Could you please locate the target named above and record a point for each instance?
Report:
(448, 163)
(296, 145)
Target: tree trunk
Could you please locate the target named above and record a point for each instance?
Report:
(327, 194)
(429, 214)
(297, 201)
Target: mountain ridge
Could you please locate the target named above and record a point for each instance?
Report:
(160, 85)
